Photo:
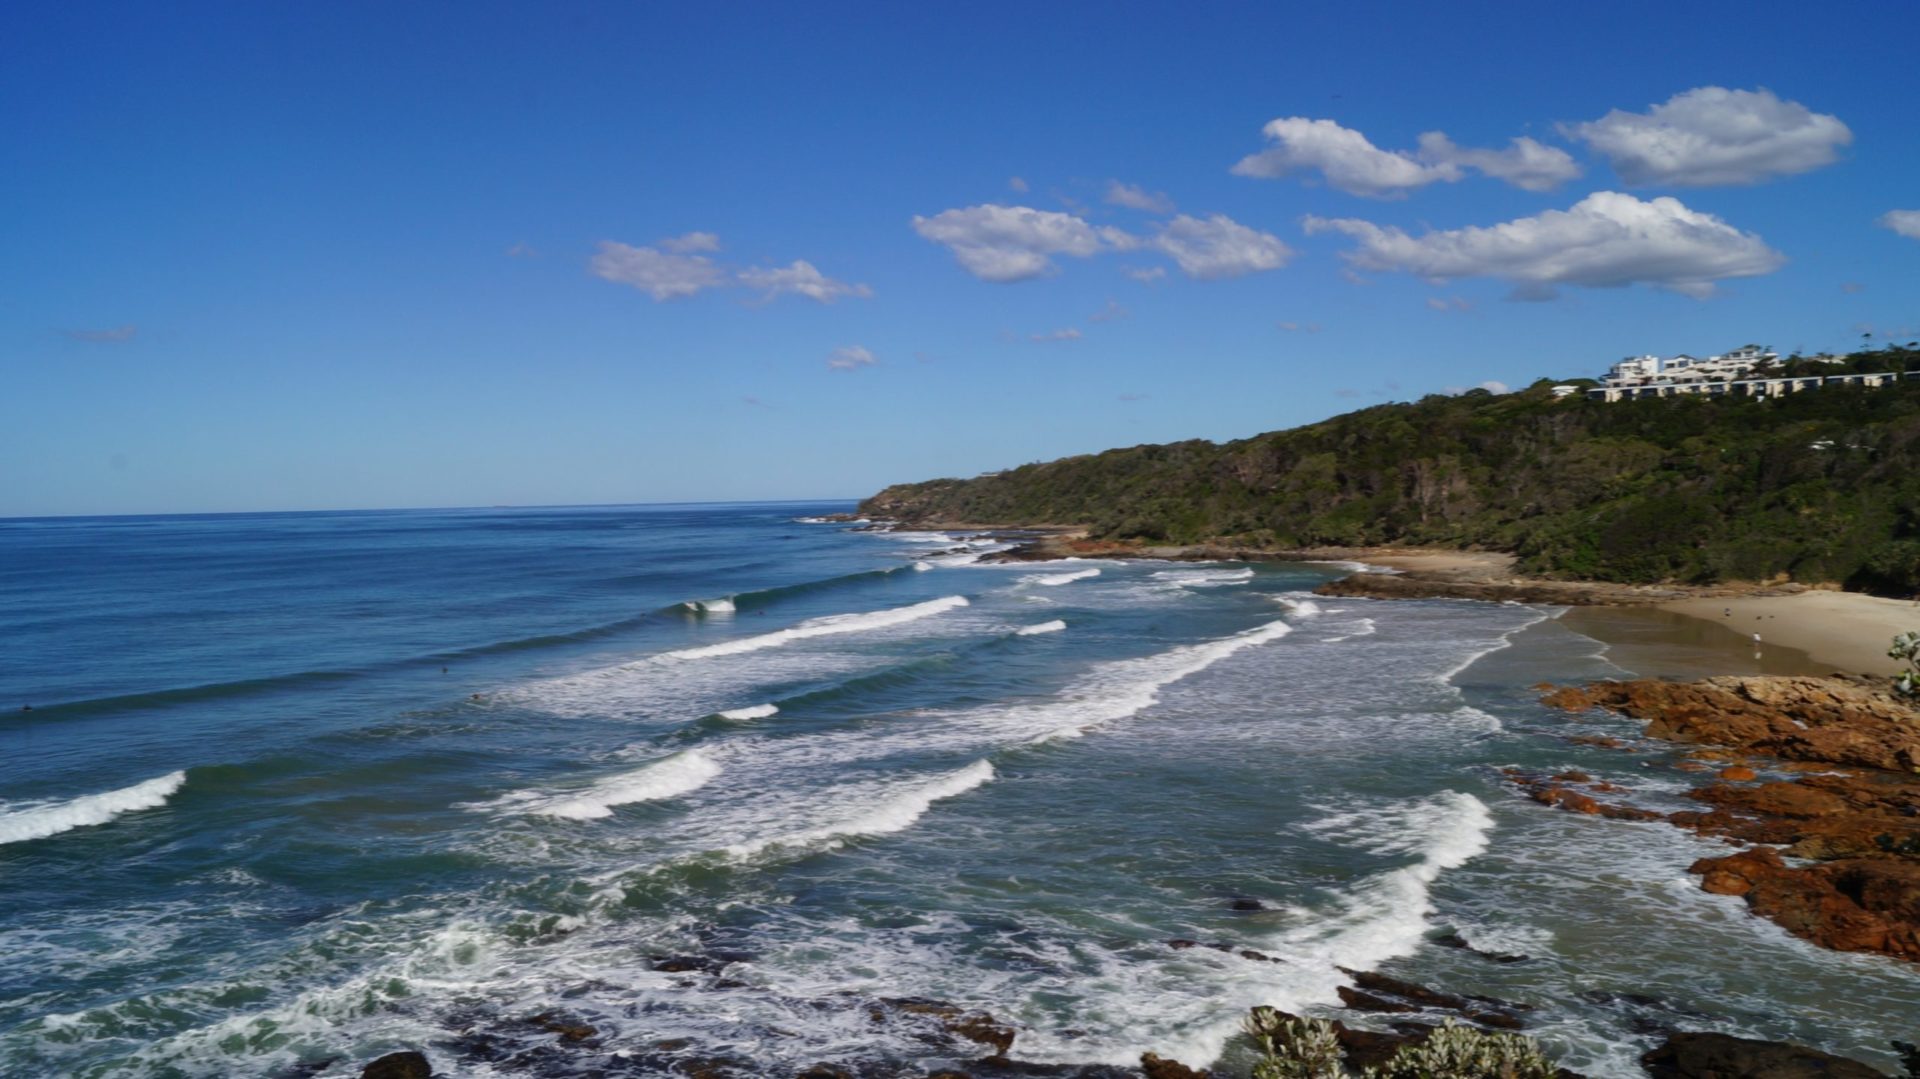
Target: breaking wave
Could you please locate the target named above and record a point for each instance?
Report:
(669, 777)
(41, 821)
(821, 627)
(893, 814)
(1055, 579)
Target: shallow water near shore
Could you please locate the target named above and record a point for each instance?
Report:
(438, 772)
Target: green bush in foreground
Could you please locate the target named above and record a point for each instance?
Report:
(1906, 648)
(1307, 1049)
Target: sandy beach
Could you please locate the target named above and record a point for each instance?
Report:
(1845, 631)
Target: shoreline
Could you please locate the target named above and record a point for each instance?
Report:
(1802, 629)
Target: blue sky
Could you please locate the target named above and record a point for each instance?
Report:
(356, 255)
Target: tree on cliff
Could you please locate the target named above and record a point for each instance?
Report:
(1822, 485)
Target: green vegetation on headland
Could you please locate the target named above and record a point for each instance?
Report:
(1818, 486)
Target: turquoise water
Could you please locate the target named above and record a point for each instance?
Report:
(296, 790)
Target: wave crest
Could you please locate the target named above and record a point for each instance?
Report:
(821, 627)
(41, 821)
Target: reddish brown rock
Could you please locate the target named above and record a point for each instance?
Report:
(1836, 720)
(1547, 792)
(1855, 905)
(1855, 811)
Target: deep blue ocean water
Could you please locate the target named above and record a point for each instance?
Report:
(299, 789)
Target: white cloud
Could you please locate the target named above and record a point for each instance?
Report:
(659, 274)
(522, 251)
(1113, 312)
(692, 243)
(1146, 275)
(1134, 197)
(117, 335)
(1712, 135)
(1605, 240)
(1017, 184)
(1352, 163)
(1904, 222)
(1068, 334)
(674, 268)
(801, 279)
(1453, 303)
(1344, 156)
(1219, 247)
(1526, 163)
(850, 358)
(1015, 243)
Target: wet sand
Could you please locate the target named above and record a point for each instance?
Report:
(1652, 642)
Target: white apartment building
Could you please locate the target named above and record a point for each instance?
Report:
(1729, 374)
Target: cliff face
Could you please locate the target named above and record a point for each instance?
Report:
(1821, 486)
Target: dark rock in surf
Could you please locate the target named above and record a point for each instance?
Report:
(403, 1065)
(1721, 1056)
(1158, 1067)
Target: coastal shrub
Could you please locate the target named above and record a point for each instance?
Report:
(1890, 569)
(1465, 1053)
(1293, 1048)
(1906, 649)
(1308, 1049)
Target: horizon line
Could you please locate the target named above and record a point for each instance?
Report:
(5, 518)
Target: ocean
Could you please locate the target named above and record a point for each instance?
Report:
(296, 790)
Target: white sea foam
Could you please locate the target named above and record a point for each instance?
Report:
(1386, 915)
(821, 627)
(1187, 1008)
(1298, 604)
(1446, 677)
(710, 606)
(669, 777)
(757, 711)
(1361, 628)
(1203, 578)
(1357, 567)
(922, 566)
(19, 824)
(1056, 579)
(895, 813)
(1054, 626)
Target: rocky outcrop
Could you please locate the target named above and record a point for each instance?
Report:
(1838, 720)
(1856, 816)
(1721, 1056)
(1852, 905)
